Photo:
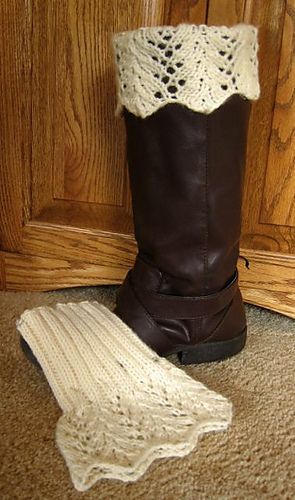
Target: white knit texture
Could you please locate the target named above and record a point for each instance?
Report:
(123, 406)
(197, 66)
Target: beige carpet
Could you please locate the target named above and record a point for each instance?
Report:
(254, 459)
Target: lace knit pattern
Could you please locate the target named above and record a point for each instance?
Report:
(197, 66)
(123, 406)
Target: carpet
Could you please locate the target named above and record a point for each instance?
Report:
(254, 459)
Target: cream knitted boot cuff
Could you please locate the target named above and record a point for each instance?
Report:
(197, 66)
(123, 406)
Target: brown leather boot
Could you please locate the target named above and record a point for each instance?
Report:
(185, 94)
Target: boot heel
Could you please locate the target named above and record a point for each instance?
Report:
(213, 351)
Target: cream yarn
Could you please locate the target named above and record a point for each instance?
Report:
(123, 406)
(197, 66)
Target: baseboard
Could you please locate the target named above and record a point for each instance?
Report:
(34, 273)
(269, 281)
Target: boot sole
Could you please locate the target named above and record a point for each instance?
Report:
(213, 351)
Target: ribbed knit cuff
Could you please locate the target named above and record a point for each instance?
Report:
(123, 406)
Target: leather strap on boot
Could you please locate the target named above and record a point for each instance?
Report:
(130, 307)
(169, 306)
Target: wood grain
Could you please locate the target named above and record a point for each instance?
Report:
(15, 104)
(91, 246)
(25, 272)
(87, 150)
(43, 92)
(110, 219)
(74, 120)
(269, 18)
(227, 12)
(78, 143)
(270, 280)
(279, 191)
(184, 11)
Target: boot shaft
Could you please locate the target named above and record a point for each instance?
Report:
(186, 174)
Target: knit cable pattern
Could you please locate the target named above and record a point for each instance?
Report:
(123, 406)
(198, 66)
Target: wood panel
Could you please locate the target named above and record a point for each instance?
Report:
(270, 280)
(279, 192)
(82, 215)
(227, 12)
(89, 145)
(184, 11)
(269, 18)
(78, 143)
(15, 118)
(43, 92)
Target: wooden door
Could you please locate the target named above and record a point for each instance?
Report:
(65, 203)
(268, 233)
(66, 217)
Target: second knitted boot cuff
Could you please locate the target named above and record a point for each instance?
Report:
(197, 66)
(123, 406)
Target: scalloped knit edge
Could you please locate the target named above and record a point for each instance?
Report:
(205, 78)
